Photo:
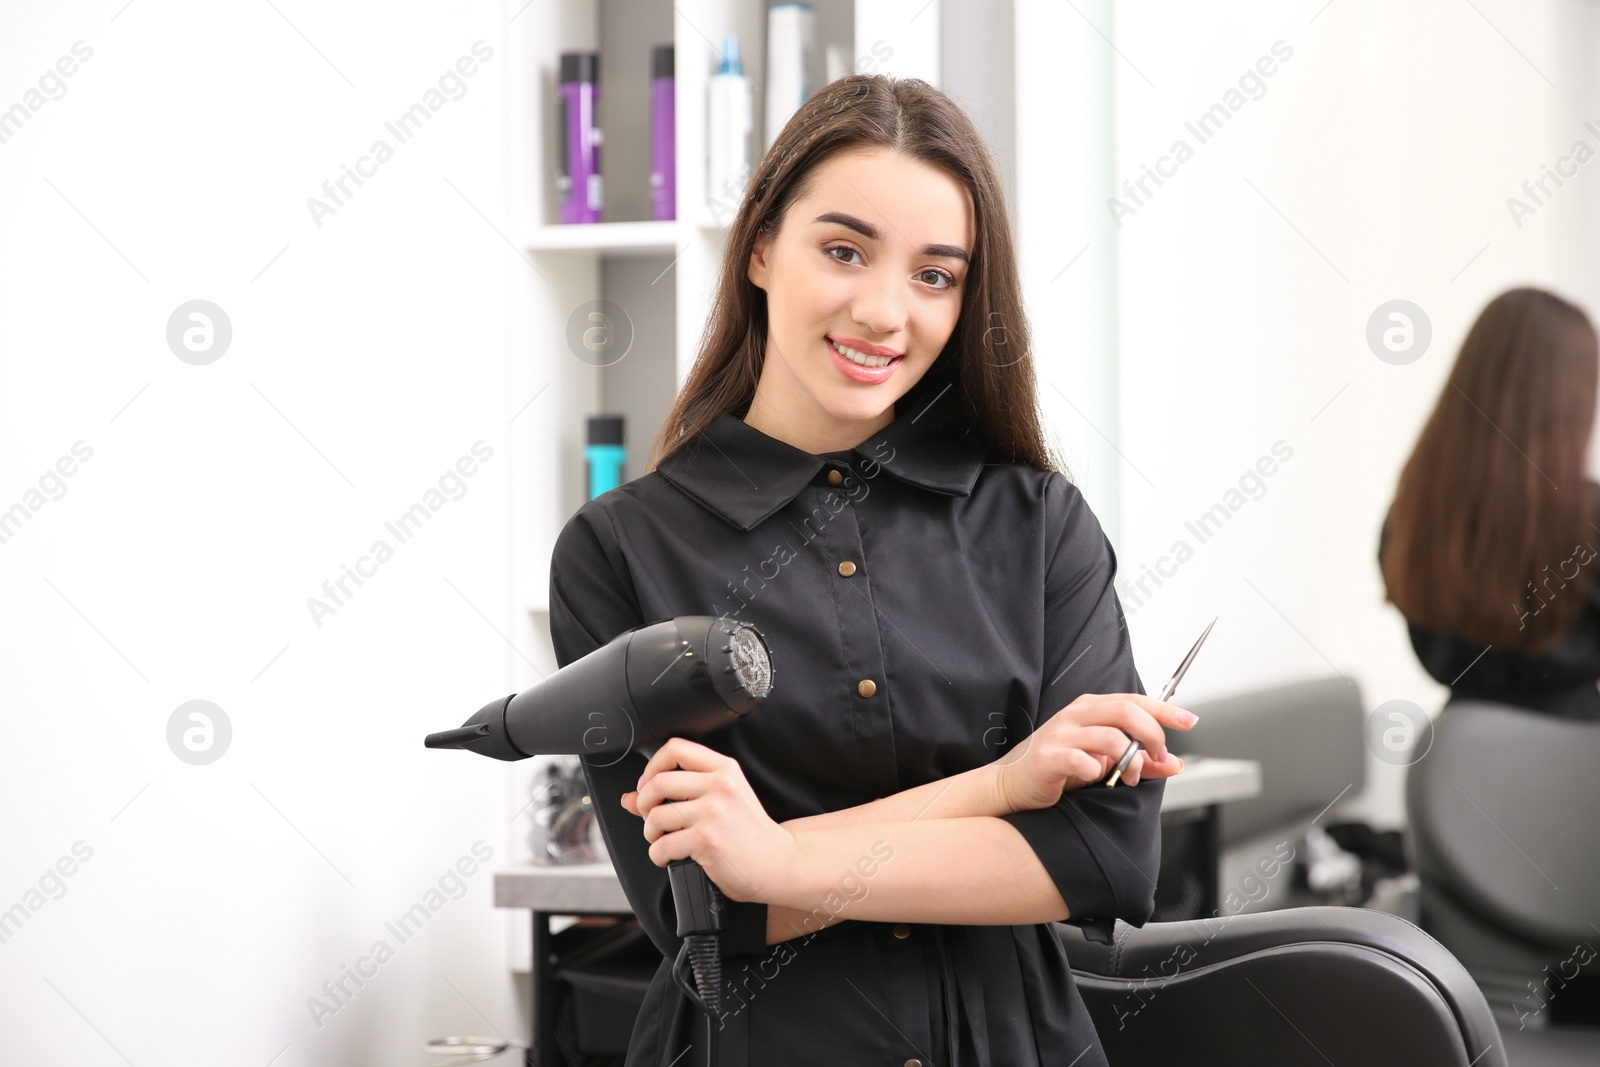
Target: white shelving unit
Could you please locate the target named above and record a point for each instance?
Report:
(569, 267)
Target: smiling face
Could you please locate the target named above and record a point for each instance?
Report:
(871, 259)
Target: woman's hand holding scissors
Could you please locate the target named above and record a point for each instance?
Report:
(1097, 735)
(1082, 743)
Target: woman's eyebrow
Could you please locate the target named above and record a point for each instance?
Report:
(870, 232)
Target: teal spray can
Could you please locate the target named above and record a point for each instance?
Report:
(605, 453)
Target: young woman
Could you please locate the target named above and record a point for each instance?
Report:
(855, 466)
(1488, 547)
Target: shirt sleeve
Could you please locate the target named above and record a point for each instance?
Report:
(592, 601)
(1101, 846)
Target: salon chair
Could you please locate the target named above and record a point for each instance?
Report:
(1307, 736)
(1503, 834)
(1312, 986)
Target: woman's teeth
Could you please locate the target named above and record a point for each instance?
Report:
(856, 357)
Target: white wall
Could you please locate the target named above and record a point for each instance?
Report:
(367, 355)
(1066, 146)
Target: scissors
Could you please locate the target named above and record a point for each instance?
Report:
(1166, 694)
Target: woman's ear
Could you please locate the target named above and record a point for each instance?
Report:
(759, 269)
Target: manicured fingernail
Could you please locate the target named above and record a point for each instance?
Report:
(1180, 764)
(1187, 718)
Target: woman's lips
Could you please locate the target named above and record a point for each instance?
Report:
(856, 372)
(866, 348)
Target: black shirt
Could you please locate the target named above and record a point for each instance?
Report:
(979, 603)
(1562, 681)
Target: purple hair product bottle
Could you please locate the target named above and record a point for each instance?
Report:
(663, 135)
(578, 155)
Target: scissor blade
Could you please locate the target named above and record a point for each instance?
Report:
(1183, 668)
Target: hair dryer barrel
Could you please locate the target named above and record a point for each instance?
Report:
(582, 709)
(693, 675)
(687, 676)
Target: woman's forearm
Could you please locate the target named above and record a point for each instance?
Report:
(904, 872)
(968, 794)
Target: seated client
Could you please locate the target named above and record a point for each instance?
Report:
(1490, 542)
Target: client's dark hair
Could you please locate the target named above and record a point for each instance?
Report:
(1489, 531)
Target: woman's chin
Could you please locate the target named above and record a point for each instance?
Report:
(855, 402)
(860, 409)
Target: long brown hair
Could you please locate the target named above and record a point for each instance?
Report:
(1494, 504)
(987, 363)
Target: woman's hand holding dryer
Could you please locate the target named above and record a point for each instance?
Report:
(714, 819)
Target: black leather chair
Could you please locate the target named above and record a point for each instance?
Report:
(1314, 986)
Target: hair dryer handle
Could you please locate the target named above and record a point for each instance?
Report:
(698, 900)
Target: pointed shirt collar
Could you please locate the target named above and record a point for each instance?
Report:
(744, 476)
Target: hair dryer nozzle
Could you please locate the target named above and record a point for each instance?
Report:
(457, 738)
(484, 733)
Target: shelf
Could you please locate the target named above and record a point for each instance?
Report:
(615, 238)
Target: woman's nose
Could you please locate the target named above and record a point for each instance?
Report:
(880, 305)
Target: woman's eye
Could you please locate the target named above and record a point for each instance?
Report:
(932, 276)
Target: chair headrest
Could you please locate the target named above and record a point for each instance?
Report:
(1364, 987)
(1503, 809)
(1307, 737)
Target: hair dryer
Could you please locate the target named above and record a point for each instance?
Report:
(686, 677)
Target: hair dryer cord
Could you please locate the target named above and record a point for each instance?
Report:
(702, 953)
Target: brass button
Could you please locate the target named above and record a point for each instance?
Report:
(902, 931)
(847, 568)
(913, 1062)
(866, 687)
(834, 477)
